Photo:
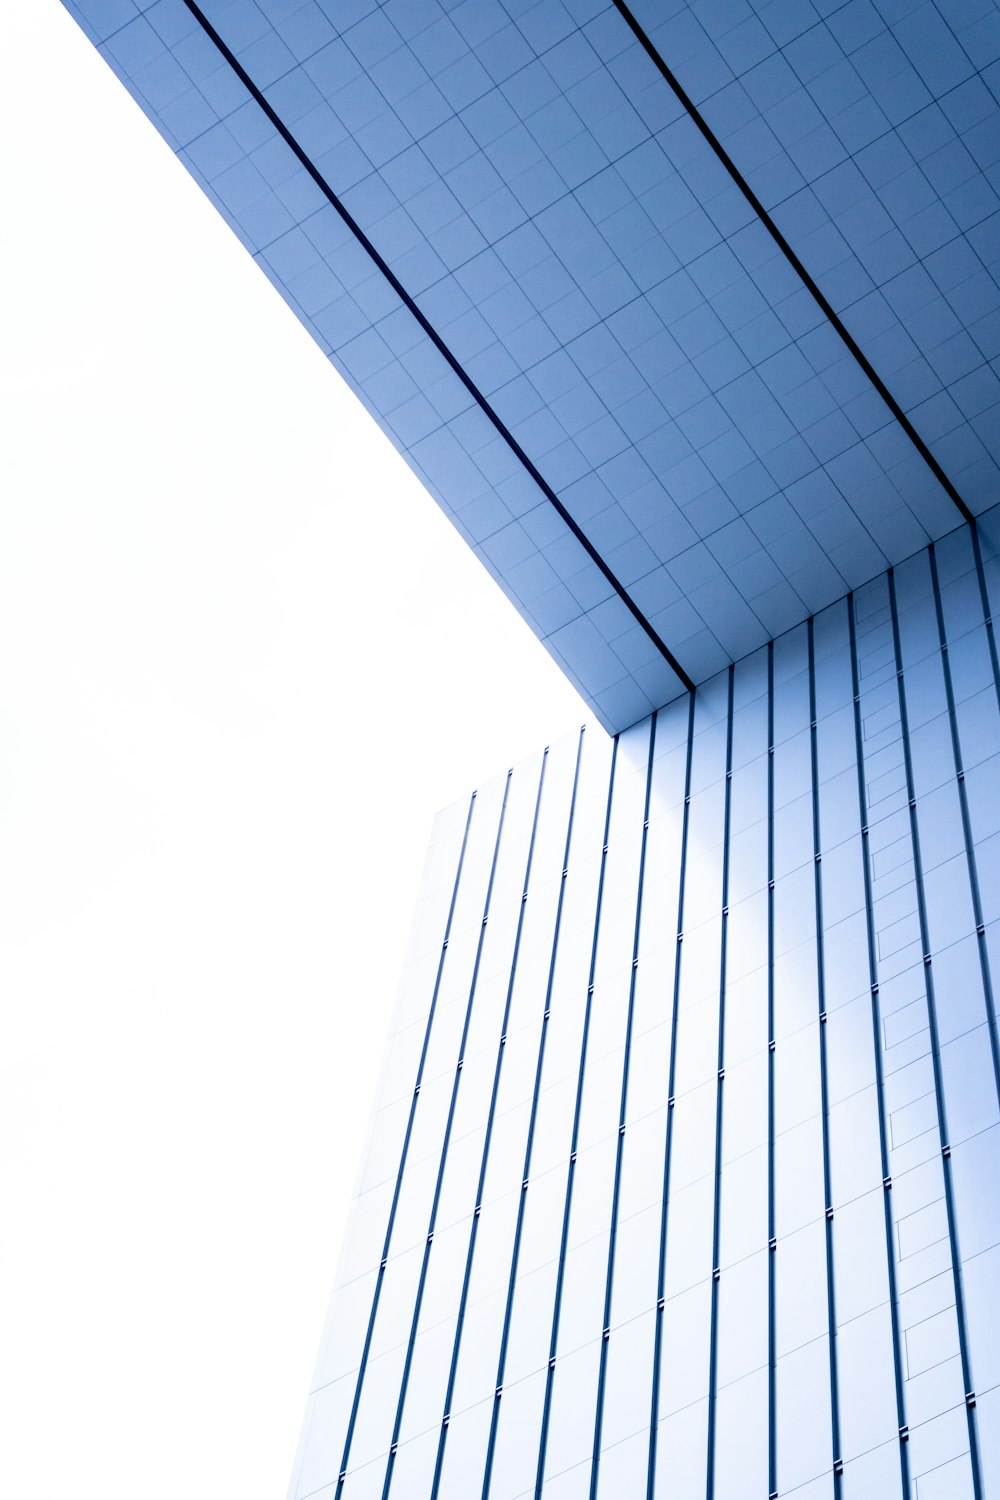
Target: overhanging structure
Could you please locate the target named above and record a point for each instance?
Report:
(686, 314)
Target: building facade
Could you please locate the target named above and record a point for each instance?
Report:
(686, 314)
(684, 1175)
(684, 1178)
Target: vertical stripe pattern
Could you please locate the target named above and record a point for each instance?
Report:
(691, 1186)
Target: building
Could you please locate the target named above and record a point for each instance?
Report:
(695, 1061)
(684, 1175)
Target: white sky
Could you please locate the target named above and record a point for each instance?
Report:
(218, 769)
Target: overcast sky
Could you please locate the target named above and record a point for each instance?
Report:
(218, 769)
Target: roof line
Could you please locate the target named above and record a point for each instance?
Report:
(783, 245)
(439, 344)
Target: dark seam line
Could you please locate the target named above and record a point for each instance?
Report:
(484, 1161)
(987, 611)
(363, 1366)
(859, 755)
(990, 634)
(720, 1063)
(536, 1093)
(440, 345)
(783, 245)
(772, 1244)
(302, 61)
(989, 1001)
(949, 1195)
(661, 1274)
(623, 1105)
(824, 1087)
(571, 1172)
(428, 1242)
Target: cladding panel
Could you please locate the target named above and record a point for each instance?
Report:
(736, 1120)
(685, 315)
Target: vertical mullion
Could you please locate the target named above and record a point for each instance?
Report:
(557, 1306)
(444, 1150)
(484, 1161)
(904, 1462)
(932, 1024)
(616, 1191)
(970, 848)
(987, 611)
(823, 1078)
(362, 1369)
(713, 1345)
(526, 1173)
(668, 1140)
(772, 1243)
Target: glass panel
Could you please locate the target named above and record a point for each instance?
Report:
(571, 1420)
(867, 1387)
(742, 1335)
(803, 1414)
(465, 1450)
(327, 1415)
(681, 1446)
(939, 1457)
(629, 1369)
(741, 1438)
(519, 1427)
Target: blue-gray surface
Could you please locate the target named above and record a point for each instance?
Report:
(686, 314)
(685, 1176)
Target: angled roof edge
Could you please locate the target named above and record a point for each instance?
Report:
(643, 560)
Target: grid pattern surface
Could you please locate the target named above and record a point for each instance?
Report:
(514, 242)
(870, 132)
(684, 1177)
